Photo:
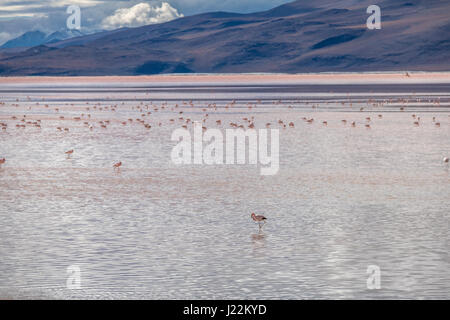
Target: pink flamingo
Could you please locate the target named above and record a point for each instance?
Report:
(117, 165)
(2, 161)
(259, 219)
(69, 153)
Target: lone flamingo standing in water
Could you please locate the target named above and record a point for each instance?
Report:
(117, 165)
(259, 219)
(2, 161)
(69, 153)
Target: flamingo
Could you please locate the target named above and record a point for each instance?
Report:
(259, 219)
(2, 161)
(69, 153)
(117, 165)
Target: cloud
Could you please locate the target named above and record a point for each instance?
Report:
(141, 14)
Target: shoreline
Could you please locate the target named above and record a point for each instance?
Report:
(322, 78)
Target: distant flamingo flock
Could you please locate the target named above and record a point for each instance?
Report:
(86, 118)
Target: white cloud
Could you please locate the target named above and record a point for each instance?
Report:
(23, 15)
(19, 5)
(141, 14)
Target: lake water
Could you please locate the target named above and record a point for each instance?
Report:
(344, 198)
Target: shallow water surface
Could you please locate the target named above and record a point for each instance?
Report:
(344, 197)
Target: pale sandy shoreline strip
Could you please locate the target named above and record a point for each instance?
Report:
(400, 77)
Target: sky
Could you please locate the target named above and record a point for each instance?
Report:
(20, 16)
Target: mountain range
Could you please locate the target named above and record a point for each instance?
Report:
(301, 36)
(36, 38)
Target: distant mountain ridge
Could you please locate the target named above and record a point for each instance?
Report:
(301, 36)
(37, 38)
(63, 35)
(28, 39)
